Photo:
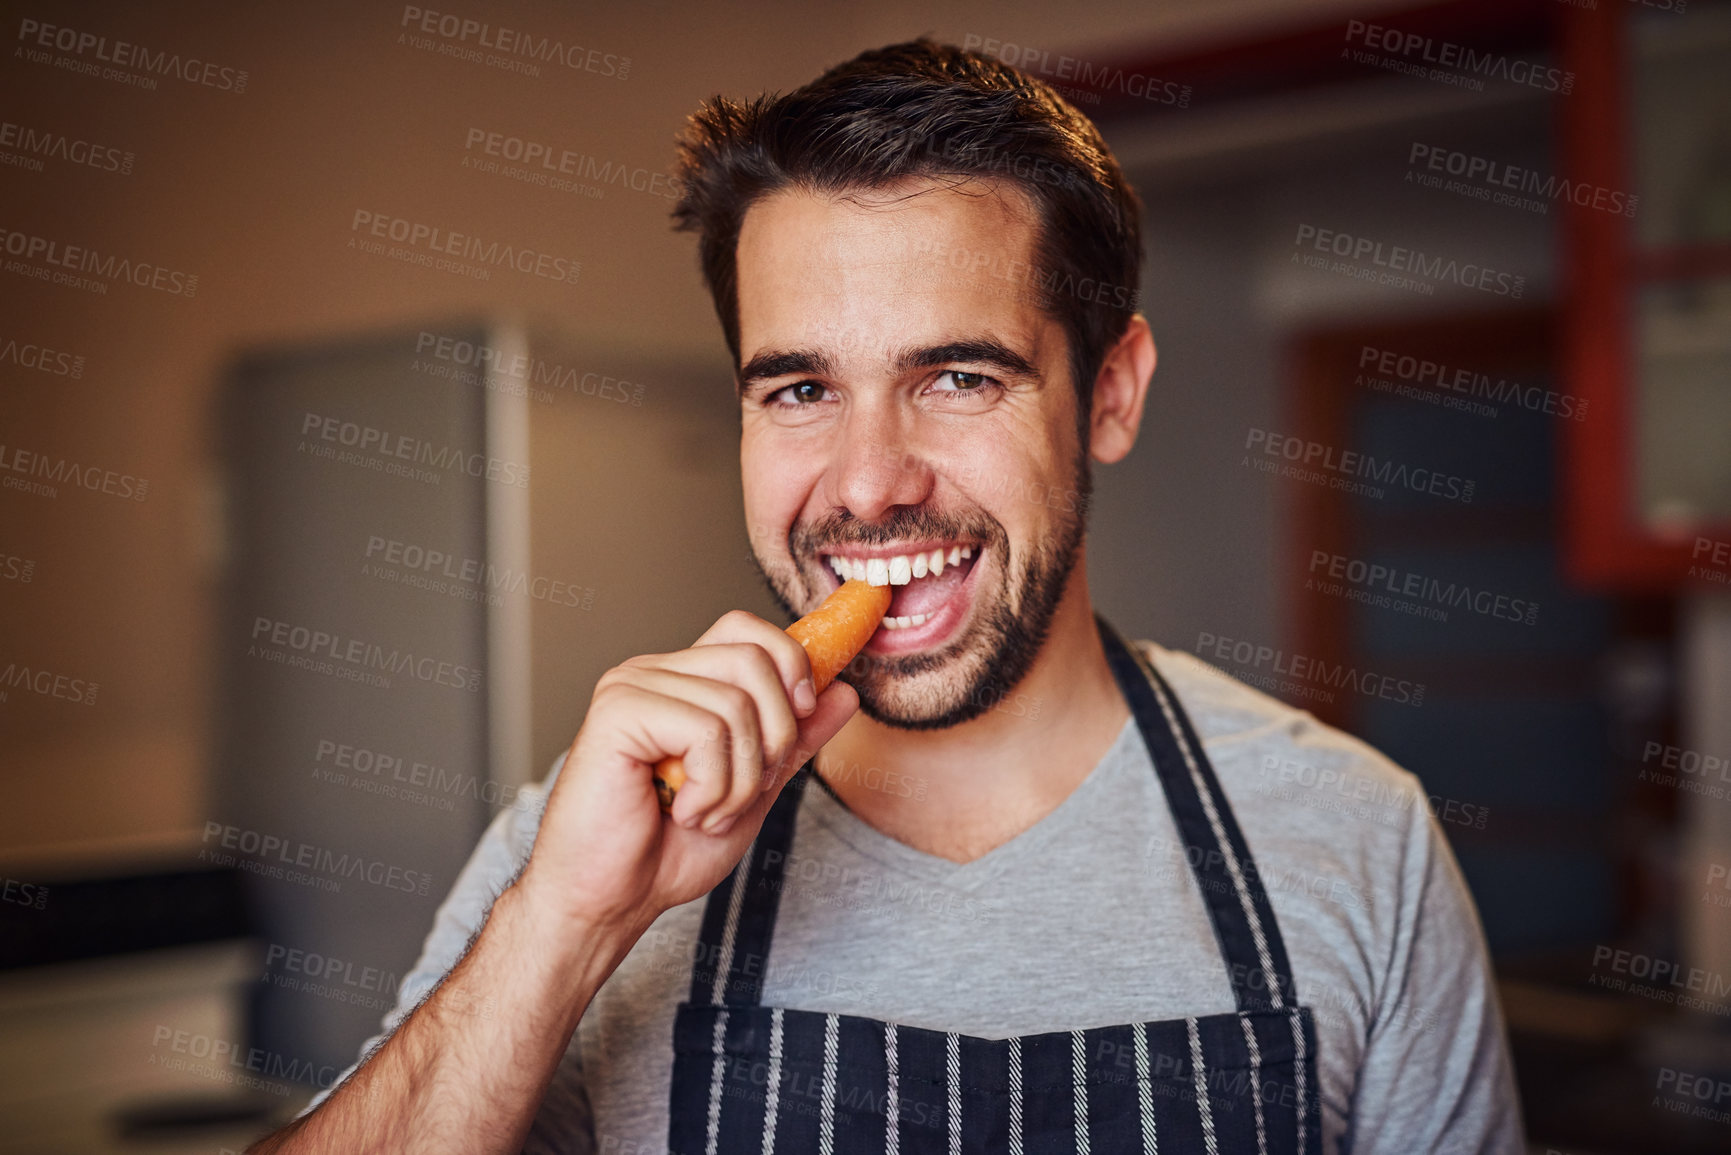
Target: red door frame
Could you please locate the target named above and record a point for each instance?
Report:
(1606, 545)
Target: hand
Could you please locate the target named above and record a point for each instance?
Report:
(738, 708)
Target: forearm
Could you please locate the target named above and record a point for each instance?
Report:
(467, 1070)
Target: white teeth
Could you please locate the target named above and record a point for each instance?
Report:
(899, 571)
(907, 622)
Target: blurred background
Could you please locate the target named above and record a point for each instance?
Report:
(358, 408)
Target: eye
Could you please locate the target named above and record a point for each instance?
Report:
(798, 395)
(963, 382)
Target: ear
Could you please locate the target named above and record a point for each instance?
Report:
(1120, 391)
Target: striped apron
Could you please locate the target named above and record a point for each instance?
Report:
(754, 1079)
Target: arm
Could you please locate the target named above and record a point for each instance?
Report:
(469, 1066)
(1436, 1074)
(467, 1069)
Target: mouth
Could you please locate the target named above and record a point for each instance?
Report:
(930, 588)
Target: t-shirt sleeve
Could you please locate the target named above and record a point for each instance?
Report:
(1436, 1075)
(496, 860)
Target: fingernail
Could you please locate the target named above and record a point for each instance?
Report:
(722, 827)
(804, 697)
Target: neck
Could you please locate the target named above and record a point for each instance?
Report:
(961, 792)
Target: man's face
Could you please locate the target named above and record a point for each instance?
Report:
(904, 397)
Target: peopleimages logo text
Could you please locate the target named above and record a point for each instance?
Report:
(34, 33)
(1495, 177)
(43, 144)
(51, 470)
(1363, 466)
(360, 654)
(1421, 370)
(1416, 48)
(443, 565)
(556, 161)
(1717, 567)
(28, 355)
(264, 1065)
(1093, 77)
(109, 267)
(1319, 672)
(513, 45)
(368, 439)
(1399, 259)
(530, 370)
(1377, 579)
(47, 683)
(330, 969)
(465, 246)
(274, 849)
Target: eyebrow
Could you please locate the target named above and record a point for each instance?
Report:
(774, 363)
(980, 351)
(784, 363)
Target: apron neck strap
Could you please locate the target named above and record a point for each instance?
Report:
(739, 918)
(1214, 846)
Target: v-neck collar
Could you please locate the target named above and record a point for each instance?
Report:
(821, 805)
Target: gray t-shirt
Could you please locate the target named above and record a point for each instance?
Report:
(1089, 918)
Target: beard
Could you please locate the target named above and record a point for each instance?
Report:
(977, 669)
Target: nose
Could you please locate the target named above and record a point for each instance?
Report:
(877, 465)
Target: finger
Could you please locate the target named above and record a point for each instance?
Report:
(726, 769)
(634, 725)
(788, 655)
(835, 706)
(750, 667)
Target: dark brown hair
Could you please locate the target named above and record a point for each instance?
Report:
(926, 109)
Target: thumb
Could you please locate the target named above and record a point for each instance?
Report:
(838, 703)
(835, 706)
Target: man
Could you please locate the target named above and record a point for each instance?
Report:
(1035, 892)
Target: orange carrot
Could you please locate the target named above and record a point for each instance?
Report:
(837, 630)
(832, 635)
